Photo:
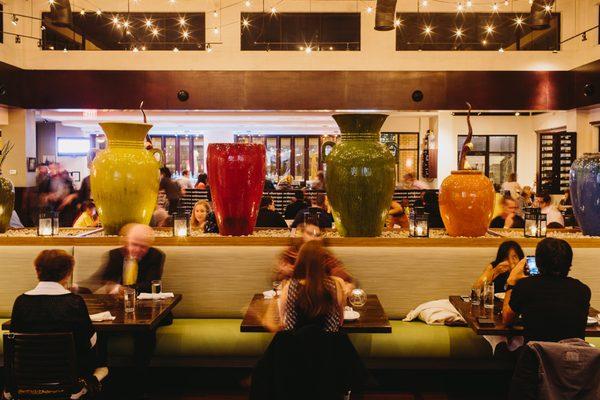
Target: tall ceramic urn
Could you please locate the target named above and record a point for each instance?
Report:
(7, 202)
(360, 176)
(585, 192)
(124, 178)
(236, 175)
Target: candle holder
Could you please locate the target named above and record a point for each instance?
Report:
(55, 223)
(45, 224)
(535, 223)
(418, 223)
(181, 224)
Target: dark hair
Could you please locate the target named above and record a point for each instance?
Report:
(166, 171)
(512, 177)
(320, 199)
(554, 257)
(507, 198)
(545, 196)
(266, 201)
(53, 265)
(203, 178)
(185, 172)
(87, 205)
(504, 250)
(299, 195)
(314, 299)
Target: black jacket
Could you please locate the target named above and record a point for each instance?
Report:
(291, 210)
(323, 218)
(150, 268)
(270, 219)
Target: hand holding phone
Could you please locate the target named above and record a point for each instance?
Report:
(531, 269)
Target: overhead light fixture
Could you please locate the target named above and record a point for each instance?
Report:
(115, 20)
(82, 12)
(427, 30)
(51, 2)
(424, 3)
(65, 50)
(215, 13)
(547, 8)
(126, 24)
(155, 32)
(506, 3)
(273, 10)
(501, 50)
(517, 114)
(14, 20)
(489, 29)
(135, 49)
(484, 42)
(519, 21)
(308, 50)
(459, 7)
(60, 13)
(458, 33)
(397, 22)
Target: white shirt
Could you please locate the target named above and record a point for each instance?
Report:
(419, 185)
(48, 289)
(185, 183)
(553, 215)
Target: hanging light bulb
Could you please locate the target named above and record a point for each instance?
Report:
(82, 12)
(547, 8)
(501, 50)
(458, 33)
(427, 30)
(182, 21)
(155, 32)
(126, 24)
(489, 29)
(115, 20)
(148, 23)
(308, 50)
(519, 21)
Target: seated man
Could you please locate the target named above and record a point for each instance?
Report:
(51, 308)
(298, 203)
(135, 264)
(317, 213)
(554, 307)
(509, 218)
(554, 218)
(267, 216)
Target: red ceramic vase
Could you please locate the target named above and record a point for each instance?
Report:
(236, 174)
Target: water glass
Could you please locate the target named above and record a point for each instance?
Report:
(488, 295)
(156, 287)
(129, 297)
(357, 298)
(476, 296)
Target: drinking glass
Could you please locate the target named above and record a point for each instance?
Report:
(156, 287)
(488, 295)
(357, 298)
(476, 296)
(129, 299)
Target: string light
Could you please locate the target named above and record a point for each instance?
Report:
(397, 22)
(185, 34)
(245, 23)
(98, 12)
(459, 7)
(469, 4)
(148, 23)
(424, 3)
(182, 21)
(495, 7)
(248, 3)
(273, 10)
(369, 10)
(216, 30)
(175, 49)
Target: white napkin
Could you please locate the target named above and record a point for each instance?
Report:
(269, 294)
(102, 316)
(435, 312)
(155, 296)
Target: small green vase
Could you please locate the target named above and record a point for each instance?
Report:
(124, 178)
(7, 202)
(360, 176)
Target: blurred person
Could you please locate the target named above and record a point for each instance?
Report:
(202, 182)
(565, 202)
(287, 260)
(89, 217)
(429, 202)
(396, 216)
(553, 305)
(298, 203)
(51, 308)
(309, 342)
(525, 200)
(317, 213)
(508, 218)
(15, 221)
(171, 188)
(412, 183)
(268, 185)
(512, 187)
(509, 254)
(184, 181)
(319, 183)
(203, 218)
(285, 183)
(267, 216)
(554, 218)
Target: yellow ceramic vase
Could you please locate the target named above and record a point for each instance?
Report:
(124, 178)
(467, 203)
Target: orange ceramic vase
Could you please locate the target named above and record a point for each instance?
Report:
(467, 203)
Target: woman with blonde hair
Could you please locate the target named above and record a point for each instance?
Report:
(202, 218)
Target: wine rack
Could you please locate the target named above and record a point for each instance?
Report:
(557, 151)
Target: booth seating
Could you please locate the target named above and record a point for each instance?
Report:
(217, 283)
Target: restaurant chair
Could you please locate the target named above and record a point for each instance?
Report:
(40, 366)
(569, 369)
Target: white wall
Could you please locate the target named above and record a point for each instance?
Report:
(377, 48)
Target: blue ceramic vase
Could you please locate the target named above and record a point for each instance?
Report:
(585, 192)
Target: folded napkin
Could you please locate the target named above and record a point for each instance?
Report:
(269, 294)
(435, 312)
(102, 316)
(512, 342)
(155, 296)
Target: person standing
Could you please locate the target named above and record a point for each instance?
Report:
(171, 189)
(412, 183)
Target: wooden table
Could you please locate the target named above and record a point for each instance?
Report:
(470, 314)
(147, 315)
(372, 317)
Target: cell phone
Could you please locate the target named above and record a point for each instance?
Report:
(532, 269)
(485, 321)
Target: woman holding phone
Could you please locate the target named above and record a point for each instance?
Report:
(508, 256)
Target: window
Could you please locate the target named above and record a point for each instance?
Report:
(181, 153)
(494, 155)
(301, 31)
(405, 147)
(127, 31)
(298, 156)
(478, 31)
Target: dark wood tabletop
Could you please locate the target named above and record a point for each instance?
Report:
(147, 315)
(470, 313)
(372, 317)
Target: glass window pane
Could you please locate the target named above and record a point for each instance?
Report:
(299, 158)
(156, 142)
(184, 154)
(198, 155)
(407, 162)
(477, 162)
(272, 159)
(313, 157)
(408, 141)
(170, 153)
(502, 143)
(285, 156)
(243, 139)
(479, 142)
(501, 166)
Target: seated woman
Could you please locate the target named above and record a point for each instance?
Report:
(396, 216)
(508, 256)
(309, 346)
(51, 308)
(202, 218)
(202, 182)
(88, 217)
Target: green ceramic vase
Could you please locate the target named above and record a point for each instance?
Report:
(7, 202)
(124, 177)
(360, 176)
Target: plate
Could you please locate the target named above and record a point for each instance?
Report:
(592, 321)
(500, 296)
(351, 315)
